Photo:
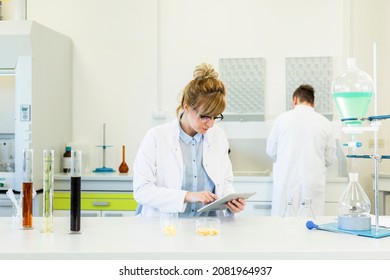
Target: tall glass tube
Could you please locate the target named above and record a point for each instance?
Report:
(48, 182)
(75, 192)
(27, 189)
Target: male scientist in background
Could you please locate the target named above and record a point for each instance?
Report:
(302, 146)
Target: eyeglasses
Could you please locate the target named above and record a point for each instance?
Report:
(205, 119)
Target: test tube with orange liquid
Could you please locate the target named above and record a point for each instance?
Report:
(27, 189)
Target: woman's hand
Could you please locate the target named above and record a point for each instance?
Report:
(236, 205)
(204, 197)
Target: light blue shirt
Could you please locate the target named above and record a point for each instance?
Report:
(195, 178)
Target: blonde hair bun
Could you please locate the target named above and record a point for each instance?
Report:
(205, 71)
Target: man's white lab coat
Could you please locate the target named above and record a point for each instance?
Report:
(302, 145)
(158, 168)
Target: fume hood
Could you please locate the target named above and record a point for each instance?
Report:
(39, 60)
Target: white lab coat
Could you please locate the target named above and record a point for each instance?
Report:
(158, 168)
(301, 145)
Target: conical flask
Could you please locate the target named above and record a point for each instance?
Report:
(289, 212)
(352, 92)
(305, 212)
(354, 206)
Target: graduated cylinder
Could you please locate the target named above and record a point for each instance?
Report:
(75, 192)
(48, 190)
(27, 189)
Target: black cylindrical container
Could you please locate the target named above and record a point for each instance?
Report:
(75, 192)
(75, 203)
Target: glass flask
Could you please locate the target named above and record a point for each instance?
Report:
(289, 212)
(354, 200)
(354, 206)
(352, 92)
(305, 213)
(123, 167)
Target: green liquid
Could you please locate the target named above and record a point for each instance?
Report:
(352, 105)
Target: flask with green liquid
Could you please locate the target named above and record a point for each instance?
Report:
(352, 92)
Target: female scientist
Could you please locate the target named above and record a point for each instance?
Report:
(184, 164)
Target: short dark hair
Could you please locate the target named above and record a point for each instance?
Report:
(305, 93)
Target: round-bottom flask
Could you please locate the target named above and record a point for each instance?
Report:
(354, 207)
(352, 92)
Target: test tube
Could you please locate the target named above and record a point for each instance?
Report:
(27, 189)
(75, 192)
(48, 182)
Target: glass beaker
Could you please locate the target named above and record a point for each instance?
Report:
(352, 91)
(168, 222)
(48, 190)
(208, 226)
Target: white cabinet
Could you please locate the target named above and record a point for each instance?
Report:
(383, 191)
(118, 213)
(260, 204)
(102, 195)
(7, 209)
(84, 213)
(95, 213)
(335, 187)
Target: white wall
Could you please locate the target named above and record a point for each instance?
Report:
(369, 21)
(130, 62)
(114, 70)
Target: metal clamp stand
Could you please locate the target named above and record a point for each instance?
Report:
(104, 147)
(374, 126)
(375, 122)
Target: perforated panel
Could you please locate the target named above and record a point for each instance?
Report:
(244, 80)
(316, 71)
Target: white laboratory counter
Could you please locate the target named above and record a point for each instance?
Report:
(241, 238)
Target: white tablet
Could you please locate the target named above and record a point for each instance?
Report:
(220, 204)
